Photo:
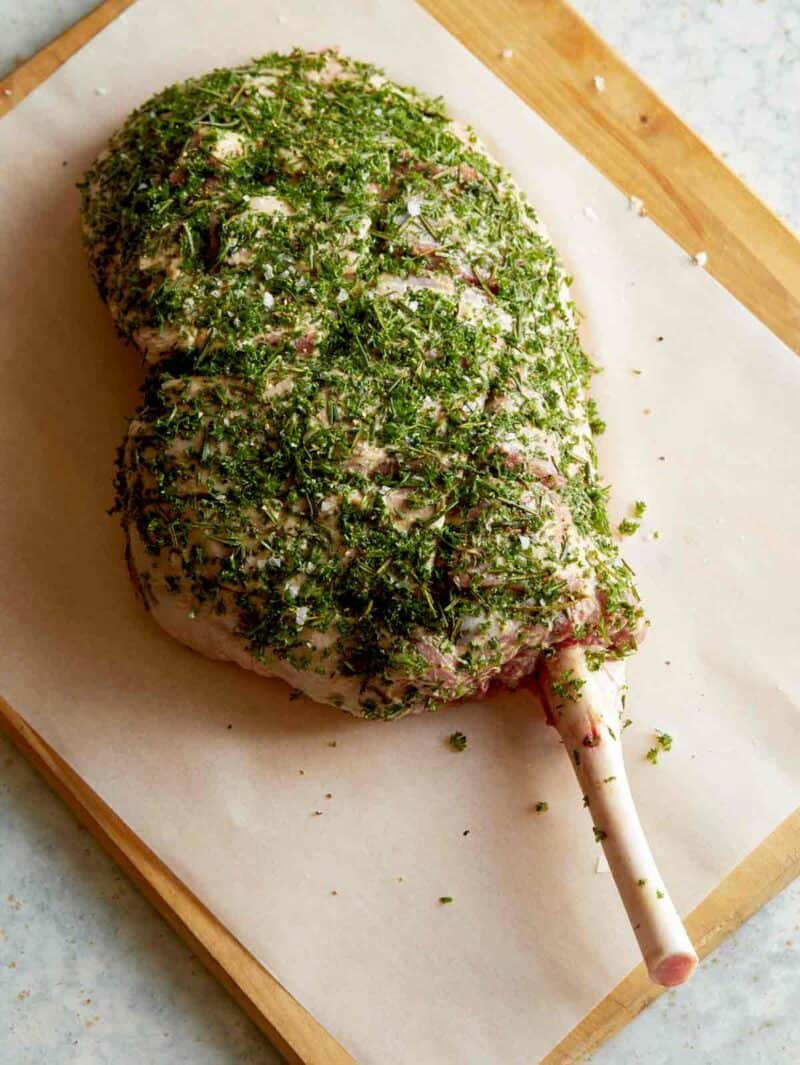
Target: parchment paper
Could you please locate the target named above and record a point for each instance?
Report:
(220, 773)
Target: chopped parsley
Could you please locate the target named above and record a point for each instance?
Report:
(541, 807)
(445, 899)
(595, 659)
(664, 743)
(596, 423)
(599, 834)
(457, 741)
(664, 740)
(568, 686)
(627, 527)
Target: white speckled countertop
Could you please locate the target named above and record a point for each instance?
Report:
(88, 973)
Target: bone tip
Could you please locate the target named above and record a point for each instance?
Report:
(674, 969)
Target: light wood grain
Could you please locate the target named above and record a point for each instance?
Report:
(637, 142)
(700, 204)
(298, 1036)
(38, 68)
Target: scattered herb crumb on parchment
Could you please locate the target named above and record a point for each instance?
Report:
(628, 526)
(541, 807)
(664, 743)
(457, 741)
(445, 899)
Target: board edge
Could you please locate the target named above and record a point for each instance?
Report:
(282, 1019)
(777, 859)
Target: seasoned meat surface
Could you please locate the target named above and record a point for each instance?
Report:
(364, 458)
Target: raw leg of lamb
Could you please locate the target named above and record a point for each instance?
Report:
(364, 459)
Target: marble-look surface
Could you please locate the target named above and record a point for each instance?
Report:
(89, 974)
(731, 70)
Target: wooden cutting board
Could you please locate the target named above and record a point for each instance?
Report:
(638, 143)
